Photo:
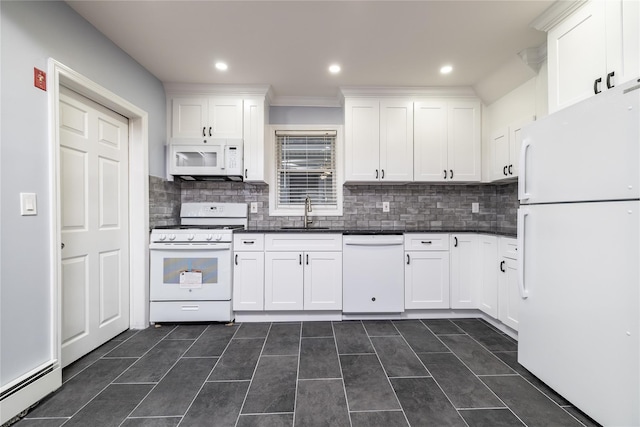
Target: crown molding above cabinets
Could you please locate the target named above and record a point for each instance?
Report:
(555, 14)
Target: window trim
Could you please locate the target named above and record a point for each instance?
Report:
(273, 179)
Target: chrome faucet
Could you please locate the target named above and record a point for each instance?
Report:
(307, 209)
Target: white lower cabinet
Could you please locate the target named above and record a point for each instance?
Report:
(464, 271)
(303, 279)
(426, 273)
(488, 275)
(248, 272)
(283, 282)
(509, 297)
(323, 281)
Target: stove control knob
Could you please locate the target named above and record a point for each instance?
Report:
(209, 236)
(172, 237)
(218, 236)
(191, 237)
(162, 237)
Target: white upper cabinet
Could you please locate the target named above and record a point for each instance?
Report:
(505, 152)
(206, 117)
(447, 141)
(595, 48)
(255, 156)
(378, 140)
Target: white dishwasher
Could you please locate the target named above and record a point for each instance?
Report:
(373, 273)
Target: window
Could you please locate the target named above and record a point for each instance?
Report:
(306, 165)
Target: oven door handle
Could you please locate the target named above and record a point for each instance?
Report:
(190, 246)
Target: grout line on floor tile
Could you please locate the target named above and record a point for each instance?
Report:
(295, 396)
(344, 387)
(255, 368)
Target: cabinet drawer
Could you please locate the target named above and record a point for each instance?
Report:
(248, 242)
(426, 242)
(303, 242)
(509, 247)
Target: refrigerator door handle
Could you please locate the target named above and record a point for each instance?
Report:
(522, 175)
(523, 213)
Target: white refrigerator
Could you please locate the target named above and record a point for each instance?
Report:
(579, 254)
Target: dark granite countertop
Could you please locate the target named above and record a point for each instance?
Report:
(498, 232)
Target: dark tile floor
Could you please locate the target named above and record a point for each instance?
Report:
(370, 373)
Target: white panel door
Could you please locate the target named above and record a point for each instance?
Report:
(225, 118)
(94, 224)
(189, 117)
(577, 56)
(362, 139)
(396, 141)
(509, 293)
(430, 141)
(248, 281)
(464, 141)
(488, 275)
(254, 136)
(283, 282)
(426, 279)
(323, 281)
(499, 151)
(464, 272)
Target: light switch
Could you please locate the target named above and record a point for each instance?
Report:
(28, 205)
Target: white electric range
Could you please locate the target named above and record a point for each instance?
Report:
(191, 264)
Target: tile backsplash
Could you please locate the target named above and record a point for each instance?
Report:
(412, 206)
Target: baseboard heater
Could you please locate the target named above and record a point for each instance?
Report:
(26, 382)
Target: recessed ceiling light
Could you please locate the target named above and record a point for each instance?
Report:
(334, 69)
(446, 69)
(221, 66)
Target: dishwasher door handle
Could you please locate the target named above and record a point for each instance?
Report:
(374, 244)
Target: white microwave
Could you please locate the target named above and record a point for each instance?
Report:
(210, 159)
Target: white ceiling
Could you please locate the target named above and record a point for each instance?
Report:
(290, 44)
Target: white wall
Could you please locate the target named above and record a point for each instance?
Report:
(30, 33)
(525, 102)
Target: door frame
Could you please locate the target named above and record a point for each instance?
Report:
(138, 170)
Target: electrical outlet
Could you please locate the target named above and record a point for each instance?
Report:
(475, 207)
(385, 206)
(254, 207)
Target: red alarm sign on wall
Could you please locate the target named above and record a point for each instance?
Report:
(40, 79)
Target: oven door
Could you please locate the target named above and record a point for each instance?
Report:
(190, 271)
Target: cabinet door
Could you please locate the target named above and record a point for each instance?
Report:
(323, 281)
(426, 280)
(430, 141)
(464, 273)
(464, 162)
(515, 142)
(189, 117)
(362, 139)
(225, 118)
(283, 281)
(396, 140)
(254, 137)
(577, 56)
(500, 155)
(248, 281)
(488, 265)
(509, 293)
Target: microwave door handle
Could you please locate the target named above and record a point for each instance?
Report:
(222, 161)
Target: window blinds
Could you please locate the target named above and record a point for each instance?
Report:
(306, 166)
